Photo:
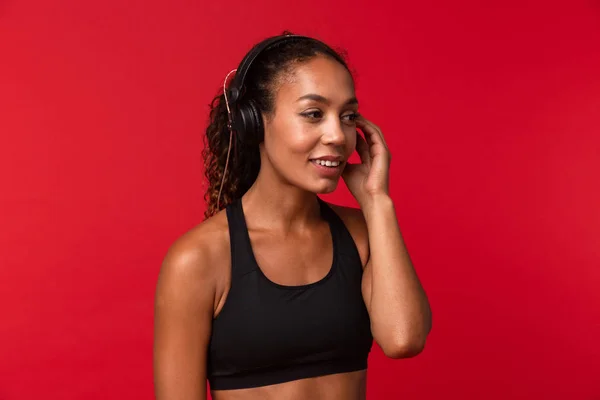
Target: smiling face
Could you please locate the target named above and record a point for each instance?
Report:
(311, 133)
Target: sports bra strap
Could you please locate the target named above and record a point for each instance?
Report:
(241, 249)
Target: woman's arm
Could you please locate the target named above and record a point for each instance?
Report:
(397, 304)
(183, 315)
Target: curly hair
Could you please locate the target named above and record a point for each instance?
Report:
(261, 82)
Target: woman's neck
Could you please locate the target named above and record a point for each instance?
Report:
(275, 205)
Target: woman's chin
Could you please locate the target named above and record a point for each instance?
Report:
(326, 187)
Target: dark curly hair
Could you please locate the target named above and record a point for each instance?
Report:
(261, 83)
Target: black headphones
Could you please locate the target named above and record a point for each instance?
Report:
(246, 118)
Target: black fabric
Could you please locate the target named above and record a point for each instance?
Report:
(268, 333)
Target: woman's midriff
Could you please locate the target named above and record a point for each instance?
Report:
(345, 386)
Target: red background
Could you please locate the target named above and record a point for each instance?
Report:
(492, 112)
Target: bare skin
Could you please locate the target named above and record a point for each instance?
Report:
(349, 386)
(285, 228)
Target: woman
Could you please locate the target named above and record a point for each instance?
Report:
(278, 294)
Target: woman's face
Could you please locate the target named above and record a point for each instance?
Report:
(312, 133)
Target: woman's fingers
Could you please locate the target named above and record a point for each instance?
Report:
(363, 149)
(372, 132)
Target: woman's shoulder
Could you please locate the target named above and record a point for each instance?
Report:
(351, 215)
(355, 222)
(201, 252)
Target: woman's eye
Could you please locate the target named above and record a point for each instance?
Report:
(313, 114)
(350, 117)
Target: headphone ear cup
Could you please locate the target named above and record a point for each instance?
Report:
(248, 122)
(257, 123)
(239, 124)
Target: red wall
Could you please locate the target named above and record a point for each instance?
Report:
(491, 109)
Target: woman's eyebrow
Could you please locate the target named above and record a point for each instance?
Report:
(323, 99)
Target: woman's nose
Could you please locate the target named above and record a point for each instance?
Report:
(334, 133)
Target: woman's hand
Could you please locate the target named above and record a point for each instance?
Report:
(370, 178)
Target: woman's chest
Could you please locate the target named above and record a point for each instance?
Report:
(267, 325)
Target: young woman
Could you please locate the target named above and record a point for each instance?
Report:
(278, 294)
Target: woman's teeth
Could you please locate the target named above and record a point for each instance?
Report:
(327, 163)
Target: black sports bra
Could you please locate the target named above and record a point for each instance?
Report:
(268, 333)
